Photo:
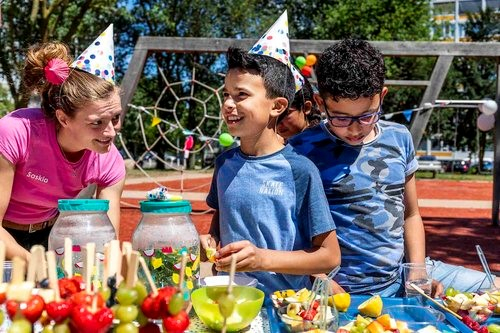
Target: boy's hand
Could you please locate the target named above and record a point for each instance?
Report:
(248, 257)
(437, 289)
(208, 248)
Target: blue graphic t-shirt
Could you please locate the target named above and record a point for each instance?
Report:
(276, 202)
(365, 187)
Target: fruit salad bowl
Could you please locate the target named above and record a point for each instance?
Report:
(248, 302)
(477, 307)
(284, 297)
(295, 318)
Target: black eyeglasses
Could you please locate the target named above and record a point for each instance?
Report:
(346, 121)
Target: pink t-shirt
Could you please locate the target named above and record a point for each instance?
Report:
(43, 176)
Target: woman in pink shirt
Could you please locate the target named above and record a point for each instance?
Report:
(55, 151)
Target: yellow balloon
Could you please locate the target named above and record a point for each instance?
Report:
(155, 121)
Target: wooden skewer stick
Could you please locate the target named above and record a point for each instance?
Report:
(133, 265)
(229, 287)
(30, 274)
(231, 274)
(441, 306)
(68, 257)
(2, 260)
(89, 266)
(105, 269)
(183, 271)
(114, 262)
(51, 264)
(144, 265)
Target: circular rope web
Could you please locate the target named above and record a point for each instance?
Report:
(168, 114)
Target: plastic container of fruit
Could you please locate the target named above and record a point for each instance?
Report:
(291, 322)
(345, 317)
(415, 316)
(280, 298)
(249, 302)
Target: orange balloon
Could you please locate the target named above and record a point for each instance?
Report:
(311, 60)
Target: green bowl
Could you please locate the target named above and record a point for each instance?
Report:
(248, 304)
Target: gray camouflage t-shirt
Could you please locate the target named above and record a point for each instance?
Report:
(365, 187)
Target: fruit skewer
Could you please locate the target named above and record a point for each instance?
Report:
(227, 301)
(68, 257)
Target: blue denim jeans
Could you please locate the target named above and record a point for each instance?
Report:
(459, 277)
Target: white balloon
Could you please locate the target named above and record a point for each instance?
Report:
(489, 107)
(486, 122)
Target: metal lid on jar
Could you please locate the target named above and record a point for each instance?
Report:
(166, 207)
(83, 205)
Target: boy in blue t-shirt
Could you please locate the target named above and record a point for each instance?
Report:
(368, 171)
(271, 211)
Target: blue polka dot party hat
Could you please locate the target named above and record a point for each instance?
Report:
(275, 43)
(99, 57)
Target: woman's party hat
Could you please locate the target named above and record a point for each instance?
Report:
(275, 43)
(99, 58)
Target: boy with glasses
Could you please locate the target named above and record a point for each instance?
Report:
(368, 171)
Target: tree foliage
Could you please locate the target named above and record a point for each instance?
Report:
(28, 22)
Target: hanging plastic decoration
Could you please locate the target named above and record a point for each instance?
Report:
(489, 107)
(300, 62)
(155, 121)
(486, 122)
(226, 140)
(306, 71)
(311, 60)
(188, 146)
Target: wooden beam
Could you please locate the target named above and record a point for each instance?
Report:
(420, 119)
(407, 83)
(496, 156)
(131, 78)
(301, 46)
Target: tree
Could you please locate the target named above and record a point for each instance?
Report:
(24, 23)
(471, 79)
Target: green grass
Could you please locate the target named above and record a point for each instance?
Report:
(454, 176)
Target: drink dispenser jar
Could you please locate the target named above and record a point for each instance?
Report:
(163, 234)
(83, 221)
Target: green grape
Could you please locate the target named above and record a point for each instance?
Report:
(126, 313)
(141, 318)
(61, 328)
(469, 295)
(176, 304)
(226, 304)
(2, 317)
(20, 326)
(142, 292)
(494, 328)
(48, 329)
(126, 296)
(105, 294)
(450, 291)
(126, 328)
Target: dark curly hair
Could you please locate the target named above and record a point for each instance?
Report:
(278, 78)
(301, 97)
(351, 68)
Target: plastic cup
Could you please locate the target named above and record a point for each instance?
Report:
(7, 271)
(418, 274)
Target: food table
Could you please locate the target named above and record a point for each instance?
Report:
(450, 324)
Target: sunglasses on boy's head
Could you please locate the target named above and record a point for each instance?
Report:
(346, 121)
